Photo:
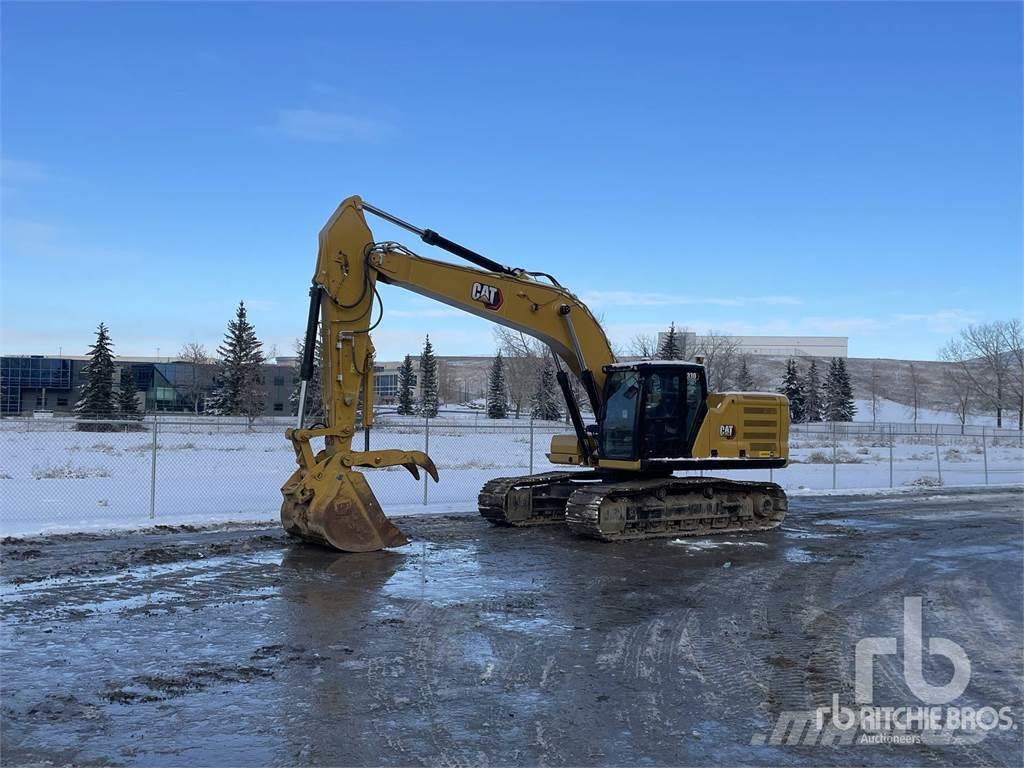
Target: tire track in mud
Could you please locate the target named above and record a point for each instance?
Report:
(230, 579)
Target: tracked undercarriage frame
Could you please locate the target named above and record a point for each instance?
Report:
(607, 507)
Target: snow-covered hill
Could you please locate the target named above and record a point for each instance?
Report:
(889, 411)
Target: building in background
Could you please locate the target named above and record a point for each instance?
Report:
(30, 383)
(385, 382)
(774, 346)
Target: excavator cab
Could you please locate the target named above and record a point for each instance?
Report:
(652, 410)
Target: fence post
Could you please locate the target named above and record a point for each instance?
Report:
(891, 440)
(152, 474)
(426, 450)
(835, 456)
(531, 444)
(984, 453)
(938, 462)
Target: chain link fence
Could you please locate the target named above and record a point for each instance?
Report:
(206, 469)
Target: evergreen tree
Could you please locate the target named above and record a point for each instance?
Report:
(97, 401)
(670, 347)
(314, 389)
(545, 401)
(428, 380)
(406, 388)
(240, 390)
(127, 396)
(839, 404)
(744, 380)
(497, 391)
(793, 389)
(813, 405)
(849, 407)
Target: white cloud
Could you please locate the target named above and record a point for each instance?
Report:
(28, 236)
(939, 321)
(37, 240)
(317, 125)
(22, 172)
(18, 175)
(942, 321)
(261, 305)
(643, 299)
(440, 312)
(838, 326)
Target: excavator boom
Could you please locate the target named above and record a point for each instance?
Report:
(326, 500)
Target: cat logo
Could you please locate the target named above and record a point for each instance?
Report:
(728, 431)
(487, 294)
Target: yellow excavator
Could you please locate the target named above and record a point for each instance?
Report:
(653, 417)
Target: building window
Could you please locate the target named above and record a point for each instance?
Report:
(278, 406)
(279, 381)
(62, 401)
(39, 402)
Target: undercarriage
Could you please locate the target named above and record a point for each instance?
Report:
(610, 508)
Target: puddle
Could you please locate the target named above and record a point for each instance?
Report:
(801, 533)
(478, 650)
(701, 545)
(853, 522)
(797, 555)
(269, 557)
(439, 575)
(977, 550)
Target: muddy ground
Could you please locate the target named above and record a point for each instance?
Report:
(483, 646)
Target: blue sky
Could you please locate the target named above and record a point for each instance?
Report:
(806, 168)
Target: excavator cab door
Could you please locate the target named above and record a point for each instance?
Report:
(652, 410)
(672, 401)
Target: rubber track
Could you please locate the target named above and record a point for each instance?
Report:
(493, 497)
(678, 506)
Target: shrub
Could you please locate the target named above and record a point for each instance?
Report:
(67, 471)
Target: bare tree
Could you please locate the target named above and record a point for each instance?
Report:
(523, 357)
(876, 392)
(447, 384)
(957, 388)
(721, 358)
(1013, 336)
(982, 354)
(915, 391)
(643, 345)
(196, 356)
(745, 381)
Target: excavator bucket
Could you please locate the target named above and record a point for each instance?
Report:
(338, 511)
(332, 504)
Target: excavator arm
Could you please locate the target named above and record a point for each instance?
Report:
(325, 499)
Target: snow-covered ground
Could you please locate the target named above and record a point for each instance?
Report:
(66, 480)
